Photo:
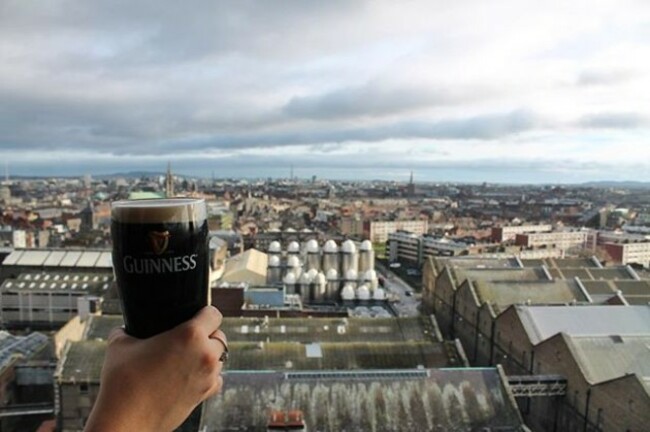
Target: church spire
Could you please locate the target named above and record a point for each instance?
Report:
(169, 181)
(410, 190)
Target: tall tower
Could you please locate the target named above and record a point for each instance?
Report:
(411, 187)
(169, 181)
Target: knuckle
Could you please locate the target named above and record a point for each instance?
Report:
(209, 360)
(190, 332)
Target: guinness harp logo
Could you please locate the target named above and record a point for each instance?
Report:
(159, 241)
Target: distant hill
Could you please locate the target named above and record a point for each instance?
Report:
(618, 184)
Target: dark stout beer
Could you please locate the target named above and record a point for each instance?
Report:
(161, 259)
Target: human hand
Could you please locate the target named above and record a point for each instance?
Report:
(154, 384)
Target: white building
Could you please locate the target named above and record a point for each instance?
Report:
(416, 248)
(560, 239)
(379, 230)
(630, 253)
(507, 233)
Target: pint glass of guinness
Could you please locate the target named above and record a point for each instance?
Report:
(161, 262)
(161, 259)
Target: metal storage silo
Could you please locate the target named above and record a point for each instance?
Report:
(351, 277)
(290, 283)
(366, 257)
(363, 292)
(347, 293)
(370, 278)
(305, 281)
(294, 265)
(293, 249)
(348, 257)
(379, 294)
(319, 288)
(333, 285)
(275, 248)
(274, 273)
(313, 255)
(330, 256)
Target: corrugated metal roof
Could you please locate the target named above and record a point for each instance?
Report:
(611, 273)
(542, 322)
(82, 362)
(13, 257)
(573, 262)
(88, 259)
(33, 258)
(70, 259)
(604, 358)
(506, 274)
(504, 294)
(54, 259)
(105, 260)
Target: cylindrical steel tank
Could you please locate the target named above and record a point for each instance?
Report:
(294, 248)
(319, 288)
(275, 248)
(370, 278)
(305, 282)
(274, 272)
(290, 283)
(347, 293)
(363, 292)
(330, 256)
(332, 285)
(351, 278)
(349, 258)
(379, 294)
(313, 255)
(366, 257)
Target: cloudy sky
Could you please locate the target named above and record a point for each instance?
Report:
(507, 91)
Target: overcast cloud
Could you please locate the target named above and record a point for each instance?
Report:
(556, 91)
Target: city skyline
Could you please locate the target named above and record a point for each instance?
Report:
(508, 93)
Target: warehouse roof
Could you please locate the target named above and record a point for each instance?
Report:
(503, 294)
(635, 292)
(475, 262)
(12, 346)
(508, 274)
(341, 355)
(603, 358)
(81, 362)
(542, 323)
(468, 399)
(301, 330)
(86, 258)
(96, 283)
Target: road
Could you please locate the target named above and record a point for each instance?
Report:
(397, 288)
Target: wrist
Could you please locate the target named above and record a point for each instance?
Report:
(120, 413)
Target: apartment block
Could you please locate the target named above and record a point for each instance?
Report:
(508, 233)
(560, 239)
(629, 253)
(378, 231)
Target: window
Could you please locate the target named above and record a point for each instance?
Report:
(83, 388)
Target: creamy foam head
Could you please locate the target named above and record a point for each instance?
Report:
(159, 210)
